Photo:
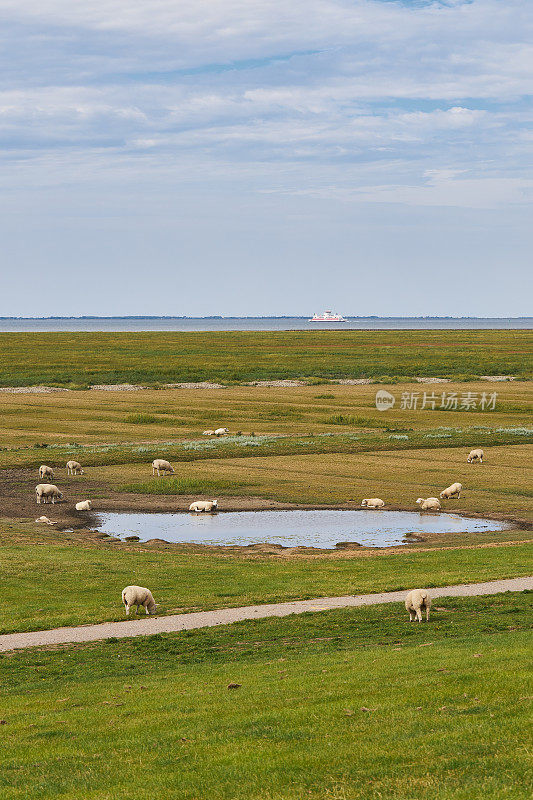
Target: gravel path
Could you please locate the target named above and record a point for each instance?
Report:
(146, 626)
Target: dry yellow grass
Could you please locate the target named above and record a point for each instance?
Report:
(499, 485)
(399, 475)
(96, 416)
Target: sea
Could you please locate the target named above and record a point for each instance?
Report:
(66, 324)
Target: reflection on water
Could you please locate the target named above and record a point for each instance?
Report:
(290, 528)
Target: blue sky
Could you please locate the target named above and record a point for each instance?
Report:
(251, 157)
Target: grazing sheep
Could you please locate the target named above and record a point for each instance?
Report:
(204, 505)
(161, 466)
(84, 505)
(47, 492)
(221, 431)
(452, 491)
(475, 455)
(45, 472)
(429, 504)
(138, 596)
(208, 433)
(74, 468)
(372, 502)
(415, 602)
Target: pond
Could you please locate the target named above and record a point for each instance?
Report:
(318, 528)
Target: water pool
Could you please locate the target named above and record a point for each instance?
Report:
(310, 528)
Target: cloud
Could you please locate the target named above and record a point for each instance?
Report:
(314, 89)
(440, 189)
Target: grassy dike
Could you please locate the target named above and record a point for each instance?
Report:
(51, 584)
(342, 705)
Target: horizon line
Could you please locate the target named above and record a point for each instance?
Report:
(268, 316)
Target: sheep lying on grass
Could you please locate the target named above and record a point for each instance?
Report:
(221, 431)
(452, 491)
(204, 505)
(74, 468)
(475, 455)
(372, 502)
(84, 505)
(415, 602)
(159, 465)
(45, 472)
(46, 521)
(47, 493)
(429, 504)
(208, 433)
(138, 596)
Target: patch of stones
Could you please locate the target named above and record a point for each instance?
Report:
(192, 385)
(31, 389)
(116, 387)
(496, 378)
(354, 381)
(433, 380)
(288, 384)
(277, 384)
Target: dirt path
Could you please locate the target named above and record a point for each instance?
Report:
(146, 626)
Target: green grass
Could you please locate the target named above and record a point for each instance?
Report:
(51, 585)
(142, 419)
(205, 486)
(154, 717)
(82, 358)
(344, 705)
(355, 422)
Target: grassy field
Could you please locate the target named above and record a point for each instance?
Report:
(347, 705)
(49, 583)
(64, 359)
(343, 705)
(298, 451)
(281, 420)
(503, 484)
(309, 446)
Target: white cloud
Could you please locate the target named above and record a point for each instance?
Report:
(433, 90)
(441, 190)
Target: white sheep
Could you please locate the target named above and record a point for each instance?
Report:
(138, 596)
(204, 505)
(159, 465)
(47, 492)
(208, 433)
(45, 472)
(74, 468)
(429, 504)
(46, 521)
(84, 505)
(475, 455)
(221, 431)
(372, 502)
(451, 491)
(415, 602)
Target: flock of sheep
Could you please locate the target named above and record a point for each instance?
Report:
(431, 503)
(417, 601)
(49, 492)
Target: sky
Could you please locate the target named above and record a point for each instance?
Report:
(265, 157)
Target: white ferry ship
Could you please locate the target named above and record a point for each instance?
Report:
(327, 316)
